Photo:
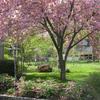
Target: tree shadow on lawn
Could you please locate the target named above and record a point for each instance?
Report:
(44, 76)
(77, 77)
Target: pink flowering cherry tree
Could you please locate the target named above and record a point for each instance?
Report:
(64, 20)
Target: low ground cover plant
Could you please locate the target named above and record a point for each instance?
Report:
(6, 82)
(47, 89)
(40, 88)
(84, 84)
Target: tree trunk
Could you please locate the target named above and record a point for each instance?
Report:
(62, 67)
(63, 72)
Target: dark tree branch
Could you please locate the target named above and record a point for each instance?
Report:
(51, 26)
(68, 49)
(72, 40)
(67, 35)
(71, 9)
(50, 33)
(81, 39)
(59, 35)
(64, 30)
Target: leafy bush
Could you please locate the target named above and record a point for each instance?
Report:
(6, 82)
(7, 66)
(75, 92)
(42, 89)
(47, 89)
(11, 91)
(38, 46)
(52, 90)
(94, 81)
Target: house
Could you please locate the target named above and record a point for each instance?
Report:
(85, 49)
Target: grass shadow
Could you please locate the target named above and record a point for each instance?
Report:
(44, 76)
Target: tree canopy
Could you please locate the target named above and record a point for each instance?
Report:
(62, 19)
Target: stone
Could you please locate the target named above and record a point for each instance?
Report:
(44, 68)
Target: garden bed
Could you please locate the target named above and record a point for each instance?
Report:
(5, 97)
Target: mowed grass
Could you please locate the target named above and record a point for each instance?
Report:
(81, 71)
(78, 72)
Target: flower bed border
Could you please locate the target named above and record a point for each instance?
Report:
(5, 97)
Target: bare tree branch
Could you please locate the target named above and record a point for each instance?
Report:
(71, 9)
(72, 40)
(51, 26)
(50, 33)
(81, 39)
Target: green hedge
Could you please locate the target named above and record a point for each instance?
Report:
(7, 66)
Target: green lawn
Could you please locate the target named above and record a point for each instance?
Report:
(82, 70)
(84, 74)
(79, 72)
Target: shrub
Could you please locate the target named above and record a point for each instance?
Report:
(7, 66)
(6, 82)
(52, 90)
(42, 89)
(75, 92)
(94, 81)
(11, 91)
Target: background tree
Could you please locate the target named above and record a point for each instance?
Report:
(64, 20)
(38, 45)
